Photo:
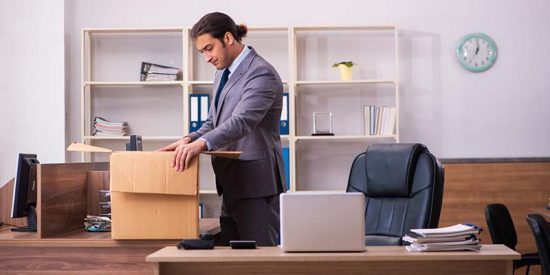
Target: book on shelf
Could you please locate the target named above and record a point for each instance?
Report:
(104, 127)
(100, 133)
(379, 120)
(156, 72)
(159, 77)
(201, 210)
(199, 106)
(283, 124)
(286, 161)
(451, 238)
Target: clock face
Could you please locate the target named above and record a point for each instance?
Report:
(476, 52)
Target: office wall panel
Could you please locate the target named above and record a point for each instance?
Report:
(522, 186)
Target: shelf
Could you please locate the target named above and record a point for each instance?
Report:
(140, 30)
(289, 48)
(344, 82)
(283, 137)
(128, 137)
(132, 83)
(208, 192)
(209, 82)
(336, 138)
(201, 82)
(345, 28)
(267, 29)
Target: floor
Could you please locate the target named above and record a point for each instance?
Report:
(75, 260)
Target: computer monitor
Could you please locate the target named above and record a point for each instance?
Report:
(24, 192)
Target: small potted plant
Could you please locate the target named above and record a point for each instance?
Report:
(346, 69)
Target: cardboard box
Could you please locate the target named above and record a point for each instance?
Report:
(151, 200)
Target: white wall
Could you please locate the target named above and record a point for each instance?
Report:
(499, 113)
(32, 90)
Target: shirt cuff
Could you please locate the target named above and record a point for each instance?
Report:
(207, 143)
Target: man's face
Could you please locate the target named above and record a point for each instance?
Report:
(213, 50)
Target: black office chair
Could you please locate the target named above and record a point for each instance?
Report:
(502, 230)
(541, 231)
(403, 185)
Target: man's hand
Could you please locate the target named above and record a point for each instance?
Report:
(174, 145)
(185, 152)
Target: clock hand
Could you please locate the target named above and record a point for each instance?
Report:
(477, 47)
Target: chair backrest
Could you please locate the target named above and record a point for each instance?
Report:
(501, 225)
(541, 231)
(403, 185)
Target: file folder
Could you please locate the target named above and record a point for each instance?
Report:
(283, 126)
(286, 161)
(135, 143)
(198, 110)
(201, 210)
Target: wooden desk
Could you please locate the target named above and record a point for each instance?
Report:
(61, 245)
(62, 205)
(81, 252)
(82, 238)
(492, 259)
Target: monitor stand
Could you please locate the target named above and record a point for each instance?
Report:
(31, 221)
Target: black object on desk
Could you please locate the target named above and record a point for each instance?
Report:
(242, 244)
(206, 241)
(196, 244)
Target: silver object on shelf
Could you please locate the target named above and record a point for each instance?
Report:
(322, 124)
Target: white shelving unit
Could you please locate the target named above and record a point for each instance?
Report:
(110, 63)
(303, 57)
(323, 162)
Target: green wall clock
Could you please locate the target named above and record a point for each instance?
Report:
(476, 52)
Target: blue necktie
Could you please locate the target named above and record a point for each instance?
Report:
(225, 76)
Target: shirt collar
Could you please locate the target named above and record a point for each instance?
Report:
(238, 60)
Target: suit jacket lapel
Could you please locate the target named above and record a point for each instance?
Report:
(239, 72)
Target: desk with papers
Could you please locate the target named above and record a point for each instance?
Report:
(387, 260)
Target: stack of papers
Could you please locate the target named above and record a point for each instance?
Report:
(103, 127)
(452, 238)
(156, 72)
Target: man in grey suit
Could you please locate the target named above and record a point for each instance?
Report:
(244, 116)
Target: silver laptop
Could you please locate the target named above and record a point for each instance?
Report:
(322, 221)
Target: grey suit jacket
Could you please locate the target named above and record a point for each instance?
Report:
(247, 120)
